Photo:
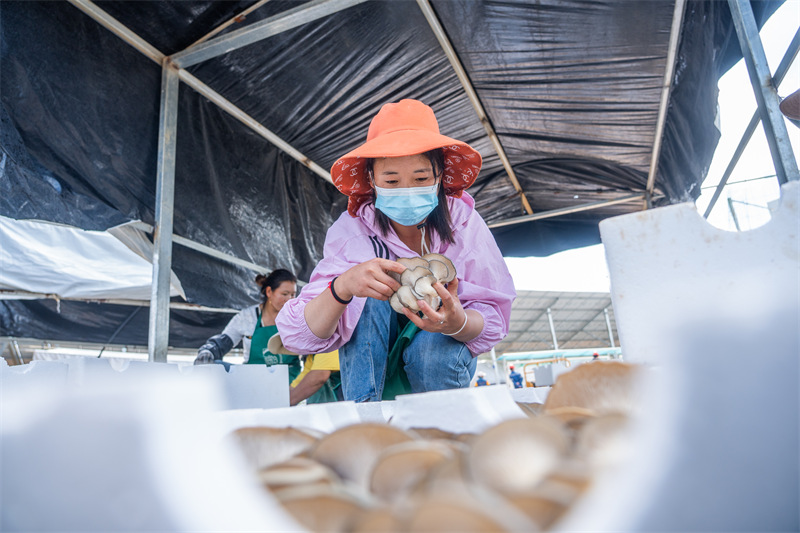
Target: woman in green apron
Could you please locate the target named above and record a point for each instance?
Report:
(254, 325)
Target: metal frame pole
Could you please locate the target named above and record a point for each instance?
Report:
(780, 73)
(461, 73)
(287, 20)
(158, 333)
(567, 210)
(552, 329)
(608, 325)
(765, 92)
(494, 365)
(666, 90)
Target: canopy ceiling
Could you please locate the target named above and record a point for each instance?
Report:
(572, 89)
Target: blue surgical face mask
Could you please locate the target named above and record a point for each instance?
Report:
(407, 206)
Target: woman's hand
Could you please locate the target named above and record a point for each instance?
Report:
(369, 279)
(448, 318)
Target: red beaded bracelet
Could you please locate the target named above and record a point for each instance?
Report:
(336, 296)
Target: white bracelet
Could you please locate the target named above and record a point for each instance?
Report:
(466, 319)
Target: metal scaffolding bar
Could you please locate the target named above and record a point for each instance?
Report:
(252, 123)
(765, 92)
(608, 325)
(444, 42)
(552, 329)
(237, 19)
(6, 294)
(567, 210)
(158, 334)
(666, 89)
(258, 31)
(780, 73)
(207, 250)
(118, 29)
(143, 46)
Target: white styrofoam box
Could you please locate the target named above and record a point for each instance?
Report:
(257, 386)
(46, 373)
(373, 411)
(670, 269)
(716, 442)
(546, 375)
(85, 370)
(324, 417)
(469, 410)
(204, 370)
(135, 455)
(530, 394)
(148, 368)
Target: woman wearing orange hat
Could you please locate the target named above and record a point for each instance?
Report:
(406, 187)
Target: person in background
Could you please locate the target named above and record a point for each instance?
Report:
(319, 382)
(254, 326)
(481, 381)
(595, 356)
(516, 377)
(406, 188)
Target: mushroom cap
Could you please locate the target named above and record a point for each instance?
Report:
(396, 304)
(326, 509)
(603, 387)
(379, 519)
(352, 450)
(572, 417)
(433, 433)
(604, 441)
(439, 270)
(402, 466)
(532, 409)
(476, 511)
(411, 275)
(413, 262)
(407, 297)
(517, 454)
(266, 446)
(451, 268)
(296, 471)
(540, 508)
(424, 286)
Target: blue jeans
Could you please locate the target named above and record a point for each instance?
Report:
(432, 361)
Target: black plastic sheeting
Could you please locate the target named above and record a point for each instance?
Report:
(572, 88)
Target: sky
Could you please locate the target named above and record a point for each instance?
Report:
(584, 269)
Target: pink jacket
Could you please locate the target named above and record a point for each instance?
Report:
(484, 283)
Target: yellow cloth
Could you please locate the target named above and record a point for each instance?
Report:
(321, 361)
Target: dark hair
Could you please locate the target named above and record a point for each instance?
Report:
(273, 281)
(439, 220)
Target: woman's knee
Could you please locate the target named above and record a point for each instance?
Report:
(438, 363)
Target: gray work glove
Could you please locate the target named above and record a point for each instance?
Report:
(204, 357)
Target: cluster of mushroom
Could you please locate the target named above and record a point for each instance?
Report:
(522, 474)
(416, 282)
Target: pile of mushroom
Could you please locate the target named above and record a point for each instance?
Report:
(416, 282)
(522, 474)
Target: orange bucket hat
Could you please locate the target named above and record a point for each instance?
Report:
(408, 127)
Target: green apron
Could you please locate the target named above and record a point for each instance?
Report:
(260, 355)
(396, 382)
(327, 393)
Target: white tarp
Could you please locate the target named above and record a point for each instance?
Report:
(43, 258)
